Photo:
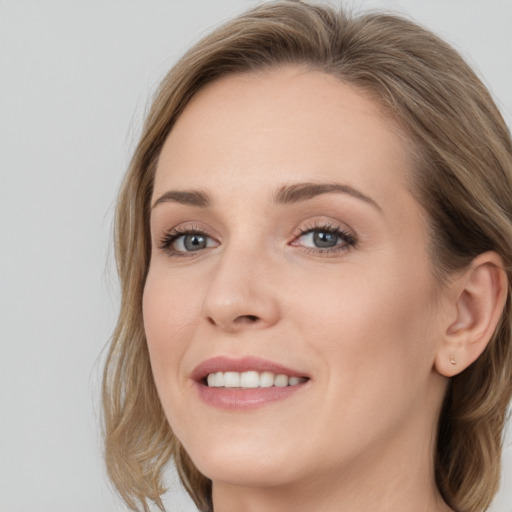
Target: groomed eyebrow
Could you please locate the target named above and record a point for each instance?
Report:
(188, 197)
(295, 193)
(287, 194)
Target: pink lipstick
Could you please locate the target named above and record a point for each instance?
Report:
(246, 383)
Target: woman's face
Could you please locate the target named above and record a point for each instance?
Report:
(283, 229)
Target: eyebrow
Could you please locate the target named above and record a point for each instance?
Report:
(287, 194)
(295, 193)
(188, 197)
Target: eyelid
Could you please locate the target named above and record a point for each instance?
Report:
(323, 224)
(169, 237)
(347, 236)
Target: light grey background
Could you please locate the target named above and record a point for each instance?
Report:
(74, 83)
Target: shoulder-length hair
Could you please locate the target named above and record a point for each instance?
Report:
(463, 178)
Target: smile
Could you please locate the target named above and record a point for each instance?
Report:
(251, 379)
(247, 383)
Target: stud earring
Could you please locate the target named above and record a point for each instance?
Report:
(453, 360)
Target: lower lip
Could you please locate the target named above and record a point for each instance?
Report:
(242, 399)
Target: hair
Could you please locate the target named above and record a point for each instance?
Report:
(463, 179)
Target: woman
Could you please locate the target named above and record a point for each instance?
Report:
(314, 246)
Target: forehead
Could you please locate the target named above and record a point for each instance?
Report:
(282, 124)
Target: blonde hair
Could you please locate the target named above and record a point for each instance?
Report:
(463, 179)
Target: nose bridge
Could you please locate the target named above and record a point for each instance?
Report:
(240, 292)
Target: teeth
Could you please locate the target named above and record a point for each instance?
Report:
(219, 379)
(251, 379)
(281, 381)
(231, 380)
(266, 379)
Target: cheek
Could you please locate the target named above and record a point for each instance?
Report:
(375, 328)
(372, 339)
(170, 315)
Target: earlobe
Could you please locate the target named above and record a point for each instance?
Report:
(481, 296)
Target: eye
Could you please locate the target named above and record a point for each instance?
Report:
(177, 242)
(322, 239)
(191, 242)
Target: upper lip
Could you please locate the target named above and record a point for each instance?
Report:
(244, 364)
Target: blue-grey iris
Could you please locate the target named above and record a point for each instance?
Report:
(194, 242)
(325, 239)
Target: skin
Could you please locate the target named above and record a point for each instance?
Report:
(363, 320)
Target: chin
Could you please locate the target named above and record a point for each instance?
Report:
(237, 464)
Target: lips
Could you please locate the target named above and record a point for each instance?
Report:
(245, 364)
(240, 399)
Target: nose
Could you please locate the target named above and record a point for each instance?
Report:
(242, 293)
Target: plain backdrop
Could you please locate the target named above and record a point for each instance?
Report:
(75, 79)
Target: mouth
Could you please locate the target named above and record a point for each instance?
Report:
(246, 383)
(246, 372)
(251, 379)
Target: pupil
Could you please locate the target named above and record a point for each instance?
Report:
(194, 242)
(325, 239)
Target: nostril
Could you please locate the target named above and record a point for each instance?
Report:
(250, 319)
(235, 322)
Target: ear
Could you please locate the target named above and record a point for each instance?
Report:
(480, 295)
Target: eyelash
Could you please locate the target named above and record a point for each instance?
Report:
(171, 236)
(348, 238)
